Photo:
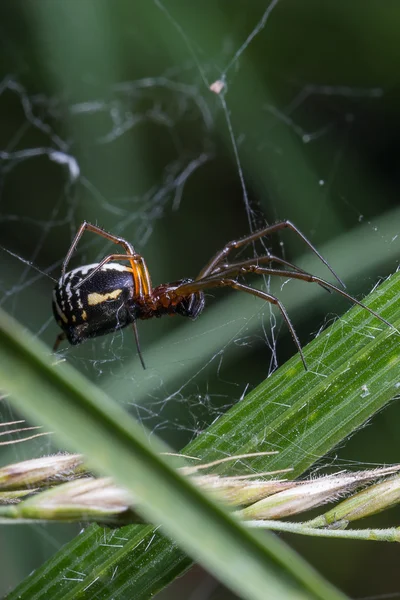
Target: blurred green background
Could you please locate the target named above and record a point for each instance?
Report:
(106, 115)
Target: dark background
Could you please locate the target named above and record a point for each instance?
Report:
(106, 115)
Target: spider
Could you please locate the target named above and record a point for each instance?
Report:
(96, 299)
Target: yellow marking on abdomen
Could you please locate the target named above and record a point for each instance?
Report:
(84, 315)
(96, 298)
(60, 312)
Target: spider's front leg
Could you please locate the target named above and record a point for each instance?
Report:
(212, 282)
(249, 265)
(253, 237)
(303, 276)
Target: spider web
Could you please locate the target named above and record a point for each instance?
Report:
(203, 141)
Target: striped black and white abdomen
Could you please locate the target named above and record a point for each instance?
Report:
(102, 304)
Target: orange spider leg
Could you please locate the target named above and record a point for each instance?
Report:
(94, 229)
(140, 272)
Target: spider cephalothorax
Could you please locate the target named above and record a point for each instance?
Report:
(103, 297)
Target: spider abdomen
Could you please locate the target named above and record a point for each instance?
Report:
(100, 305)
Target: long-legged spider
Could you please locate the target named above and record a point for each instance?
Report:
(102, 297)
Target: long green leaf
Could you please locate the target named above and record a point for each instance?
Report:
(303, 414)
(116, 445)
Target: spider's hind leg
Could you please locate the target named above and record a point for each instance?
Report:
(60, 338)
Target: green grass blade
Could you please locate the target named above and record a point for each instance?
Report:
(305, 415)
(116, 445)
(302, 414)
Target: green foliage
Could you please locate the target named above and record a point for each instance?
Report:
(308, 120)
(307, 414)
